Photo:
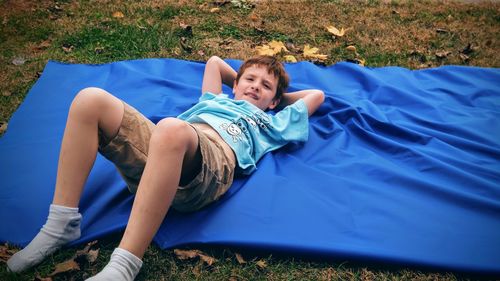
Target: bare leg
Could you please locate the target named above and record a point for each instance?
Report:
(92, 109)
(173, 149)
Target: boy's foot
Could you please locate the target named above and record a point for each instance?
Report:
(123, 265)
(62, 226)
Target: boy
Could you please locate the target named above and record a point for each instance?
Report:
(185, 162)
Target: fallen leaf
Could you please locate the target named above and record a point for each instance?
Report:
(240, 259)
(357, 61)
(351, 48)
(5, 253)
(201, 53)
(214, 10)
(443, 54)
(118, 15)
(67, 48)
(271, 49)
(469, 49)
(39, 278)
(254, 17)
(185, 45)
(277, 46)
(221, 2)
(313, 53)
(43, 45)
(464, 57)
(6, 94)
(69, 265)
(265, 50)
(261, 264)
(290, 58)
(333, 30)
(191, 254)
(441, 30)
(18, 61)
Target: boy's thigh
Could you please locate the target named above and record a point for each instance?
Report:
(214, 178)
(128, 150)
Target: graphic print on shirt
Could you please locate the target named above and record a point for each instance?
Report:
(237, 128)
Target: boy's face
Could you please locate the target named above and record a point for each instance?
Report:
(258, 87)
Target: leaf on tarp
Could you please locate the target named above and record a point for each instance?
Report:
(192, 254)
(240, 258)
(312, 53)
(66, 266)
(333, 30)
(118, 15)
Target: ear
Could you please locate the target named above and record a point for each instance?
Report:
(274, 103)
(235, 84)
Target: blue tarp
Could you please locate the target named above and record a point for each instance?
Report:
(401, 166)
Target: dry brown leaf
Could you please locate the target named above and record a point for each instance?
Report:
(240, 259)
(6, 94)
(333, 30)
(191, 254)
(312, 53)
(5, 253)
(214, 10)
(118, 15)
(351, 48)
(443, 54)
(39, 278)
(69, 265)
(261, 264)
(3, 128)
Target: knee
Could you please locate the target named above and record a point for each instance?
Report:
(88, 101)
(172, 132)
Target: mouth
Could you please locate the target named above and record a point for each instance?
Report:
(252, 95)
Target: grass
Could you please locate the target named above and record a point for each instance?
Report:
(397, 32)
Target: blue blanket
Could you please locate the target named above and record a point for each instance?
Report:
(401, 166)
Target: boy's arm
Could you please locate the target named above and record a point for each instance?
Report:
(313, 99)
(217, 72)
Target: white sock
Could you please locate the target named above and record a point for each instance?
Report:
(62, 226)
(123, 265)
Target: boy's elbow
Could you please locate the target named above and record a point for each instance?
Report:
(320, 96)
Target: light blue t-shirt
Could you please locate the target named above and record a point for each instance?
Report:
(248, 130)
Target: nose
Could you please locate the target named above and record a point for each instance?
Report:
(255, 86)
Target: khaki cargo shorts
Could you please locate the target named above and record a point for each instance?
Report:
(128, 150)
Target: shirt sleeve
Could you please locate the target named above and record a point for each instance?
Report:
(292, 122)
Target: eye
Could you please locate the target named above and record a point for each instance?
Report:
(267, 86)
(250, 79)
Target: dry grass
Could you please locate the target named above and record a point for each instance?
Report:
(402, 33)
